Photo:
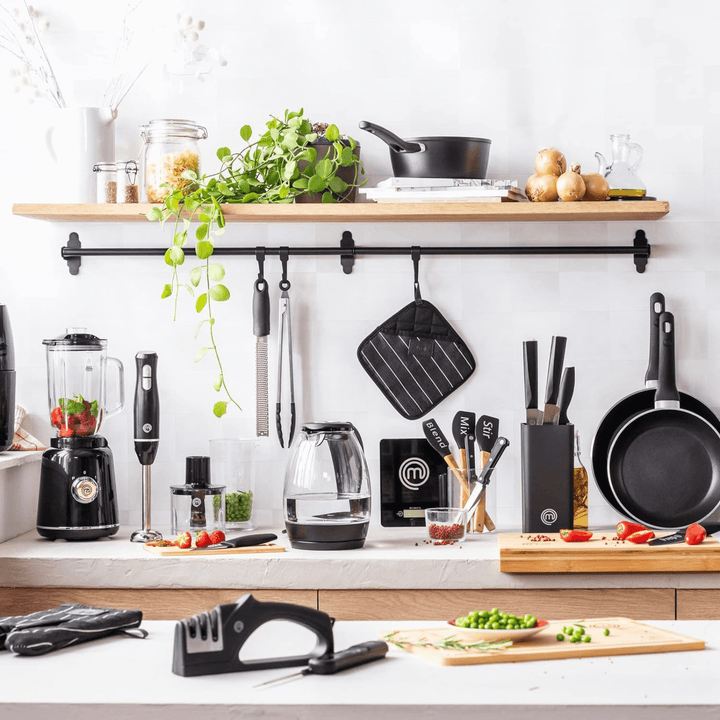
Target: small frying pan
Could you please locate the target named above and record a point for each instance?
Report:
(635, 403)
(664, 463)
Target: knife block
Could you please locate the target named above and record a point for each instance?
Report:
(547, 477)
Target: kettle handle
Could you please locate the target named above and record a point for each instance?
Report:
(120, 387)
(639, 151)
(359, 437)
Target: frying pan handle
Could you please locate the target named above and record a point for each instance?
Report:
(657, 307)
(667, 393)
(396, 143)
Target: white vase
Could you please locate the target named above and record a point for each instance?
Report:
(77, 140)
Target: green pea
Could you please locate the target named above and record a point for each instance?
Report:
(560, 636)
(606, 632)
(587, 638)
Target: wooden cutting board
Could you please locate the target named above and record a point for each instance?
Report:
(627, 637)
(179, 552)
(520, 555)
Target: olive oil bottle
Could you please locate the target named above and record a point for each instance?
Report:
(580, 489)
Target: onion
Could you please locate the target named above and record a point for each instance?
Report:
(541, 188)
(550, 162)
(596, 187)
(570, 185)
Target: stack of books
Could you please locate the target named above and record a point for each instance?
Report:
(400, 189)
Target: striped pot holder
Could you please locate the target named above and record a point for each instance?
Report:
(416, 358)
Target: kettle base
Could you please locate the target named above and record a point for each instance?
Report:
(330, 536)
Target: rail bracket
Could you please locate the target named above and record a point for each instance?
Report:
(347, 243)
(641, 259)
(73, 262)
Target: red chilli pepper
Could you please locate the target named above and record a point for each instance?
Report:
(625, 529)
(575, 535)
(695, 534)
(641, 537)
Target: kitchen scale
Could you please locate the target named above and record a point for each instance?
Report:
(413, 478)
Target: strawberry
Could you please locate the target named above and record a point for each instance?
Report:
(65, 431)
(217, 537)
(624, 529)
(202, 539)
(640, 537)
(183, 540)
(695, 534)
(575, 535)
(56, 417)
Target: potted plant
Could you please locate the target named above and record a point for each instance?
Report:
(291, 161)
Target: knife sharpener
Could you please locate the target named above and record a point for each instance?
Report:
(547, 477)
(210, 643)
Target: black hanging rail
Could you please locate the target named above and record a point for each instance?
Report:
(73, 252)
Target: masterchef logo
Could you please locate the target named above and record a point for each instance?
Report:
(548, 516)
(414, 473)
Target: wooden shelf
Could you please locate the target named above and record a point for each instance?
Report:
(370, 212)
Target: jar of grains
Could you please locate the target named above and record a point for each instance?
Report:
(170, 148)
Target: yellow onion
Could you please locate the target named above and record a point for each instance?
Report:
(570, 185)
(596, 187)
(541, 188)
(550, 162)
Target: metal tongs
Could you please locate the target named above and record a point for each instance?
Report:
(285, 329)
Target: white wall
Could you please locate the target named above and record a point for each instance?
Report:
(525, 74)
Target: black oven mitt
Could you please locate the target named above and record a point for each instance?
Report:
(69, 624)
(415, 357)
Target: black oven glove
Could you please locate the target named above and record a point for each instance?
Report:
(69, 624)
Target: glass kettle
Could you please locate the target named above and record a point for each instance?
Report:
(327, 489)
(621, 173)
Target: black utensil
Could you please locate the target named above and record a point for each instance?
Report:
(434, 435)
(677, 537)
(463, 423)
(555, 367)
(146, 426)
(261, 330)
(7, 381)
(533, 416)
(664, 463)
(434, 157)
(241, 541)
(567, 388)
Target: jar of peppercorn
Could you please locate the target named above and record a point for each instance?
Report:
(234, 463)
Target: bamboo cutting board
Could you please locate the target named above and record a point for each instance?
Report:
(519, 555)
(627, 637)
(179, 552)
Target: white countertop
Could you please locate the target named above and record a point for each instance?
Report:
(120, 677)
(391, 559)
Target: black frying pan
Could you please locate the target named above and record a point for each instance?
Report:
(434, 157)
(664, 463)
(635, 403)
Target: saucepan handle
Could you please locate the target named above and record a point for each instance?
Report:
(396, 143)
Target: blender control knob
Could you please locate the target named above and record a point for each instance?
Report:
(84, 489)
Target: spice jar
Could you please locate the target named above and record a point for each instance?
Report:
(170, 148)
(127, 188)
(106, 182)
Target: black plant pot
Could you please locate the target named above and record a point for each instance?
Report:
(349, 174)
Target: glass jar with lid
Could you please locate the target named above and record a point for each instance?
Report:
(127, 189)
(106, 182)
(170, 147)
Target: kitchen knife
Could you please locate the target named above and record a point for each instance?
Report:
(463, 423)
(242, 541)
(555, 366)
(261, 330)
(533, 416)
(481, 517)
(712, 529)
(567, 387)
(435, 437)
(480, 486)
(470, 456)
(486, 431)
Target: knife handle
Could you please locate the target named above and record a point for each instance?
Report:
(530, 364)
(657, 308)
(261, 309)
(567, 388)
(557, 359)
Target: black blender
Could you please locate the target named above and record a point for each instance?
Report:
(77, 499)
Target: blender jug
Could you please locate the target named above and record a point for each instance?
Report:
(327, 489)
(77, 499)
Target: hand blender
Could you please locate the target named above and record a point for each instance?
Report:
(147, 435)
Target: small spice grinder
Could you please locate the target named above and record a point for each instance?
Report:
(7, 381)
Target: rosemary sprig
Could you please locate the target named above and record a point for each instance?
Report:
(449, 643)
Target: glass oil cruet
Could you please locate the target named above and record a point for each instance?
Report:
(621, 173)
(580, 490)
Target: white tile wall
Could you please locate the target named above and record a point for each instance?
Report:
(525, 74)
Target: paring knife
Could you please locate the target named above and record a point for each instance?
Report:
(242, 541)
(435, 437)
(481, 485)
(712, 529)
(481, 517)
(555, 366)
(533, 416)
(567, 388)
(261, 330)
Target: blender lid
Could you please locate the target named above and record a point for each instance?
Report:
(311, 428)
(77, 338)
(7, 347)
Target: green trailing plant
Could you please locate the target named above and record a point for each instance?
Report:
(282, 164)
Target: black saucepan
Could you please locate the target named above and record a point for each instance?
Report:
(635, 403)
(664, 463)
(434, 157)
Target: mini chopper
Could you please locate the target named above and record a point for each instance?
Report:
(77, 498)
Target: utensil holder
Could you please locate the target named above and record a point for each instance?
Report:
(547, 477)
